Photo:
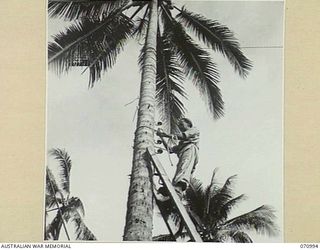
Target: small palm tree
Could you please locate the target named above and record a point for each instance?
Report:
(210, 208)
(68, 209)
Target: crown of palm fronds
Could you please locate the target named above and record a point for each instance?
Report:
(69, 209)
(77, 9)
(210, 208)
(102, 29)
(99, 42)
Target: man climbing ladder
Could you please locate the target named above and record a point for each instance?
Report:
(187, 152)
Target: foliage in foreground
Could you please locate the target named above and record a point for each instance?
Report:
(69, 210)
(210, 209)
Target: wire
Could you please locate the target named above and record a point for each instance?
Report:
(132, 101)
(262, 47)
(135, 113)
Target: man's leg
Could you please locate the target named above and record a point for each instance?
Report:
(185, 167)
(179, 188)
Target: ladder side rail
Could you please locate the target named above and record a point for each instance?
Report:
(165, 219)
(182, 210)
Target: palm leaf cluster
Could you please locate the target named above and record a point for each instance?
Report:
(101, 28)
(210, 208)
(77, 9)
(68, 209)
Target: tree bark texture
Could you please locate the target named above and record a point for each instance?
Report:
(140, 200)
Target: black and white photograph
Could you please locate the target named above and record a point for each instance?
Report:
(164, 121)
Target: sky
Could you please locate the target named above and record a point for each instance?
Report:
(96, 126)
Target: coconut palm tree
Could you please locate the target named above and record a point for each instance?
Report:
(210, 209)
(68, 209)
(98, 33)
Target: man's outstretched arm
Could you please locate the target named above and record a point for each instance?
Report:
(171, 136)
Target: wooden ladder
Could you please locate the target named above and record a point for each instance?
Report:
(195, 236)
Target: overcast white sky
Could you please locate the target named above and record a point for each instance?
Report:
(96, 128)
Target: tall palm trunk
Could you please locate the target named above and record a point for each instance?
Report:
(139, 207)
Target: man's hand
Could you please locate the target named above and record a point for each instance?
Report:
(162, 134)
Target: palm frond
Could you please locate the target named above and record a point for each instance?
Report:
(52, 230)
(64, 167)
(169, 86)
(196, 186)
(227, 188)
(240, 237)
(196, 197)
(218, 37)
(163, 237)
(210, 191)
(213, 187)
(82, 232)
(261, 220)
(118, 36)
(51, 201)
(169, 211)
(168, 237)
(229, 235)
(213, 181)
(51, 185)
(76, 9)
(142, 57)
(141, 25)
(229, 205)
(217, 198)
(76, 204)
(51, 189)
(196, 63)
(98, 42)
